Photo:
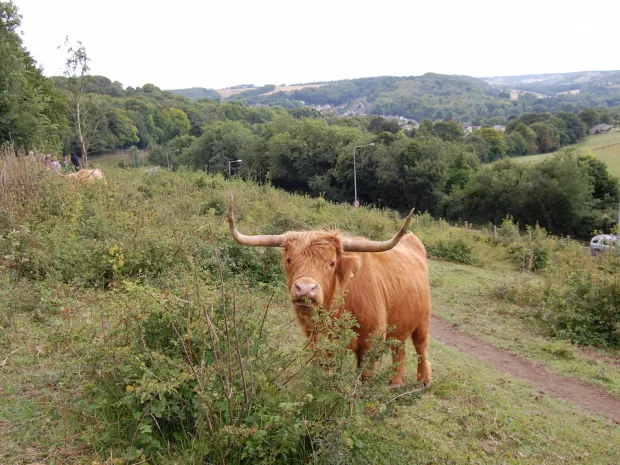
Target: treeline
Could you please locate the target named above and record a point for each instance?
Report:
(436, 168)
(31, 109)
(533, 133)
(437, 96)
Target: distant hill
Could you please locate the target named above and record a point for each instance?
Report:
(196, 93)
(559, 83)
(438, 96)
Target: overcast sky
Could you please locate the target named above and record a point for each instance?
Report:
(215, 44)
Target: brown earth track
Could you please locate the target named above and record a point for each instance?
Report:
(587, 396)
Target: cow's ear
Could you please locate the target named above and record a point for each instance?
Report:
(348, 267)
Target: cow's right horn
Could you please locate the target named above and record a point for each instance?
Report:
(364, 245)
(262, 240)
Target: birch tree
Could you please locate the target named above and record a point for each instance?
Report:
(83, 113)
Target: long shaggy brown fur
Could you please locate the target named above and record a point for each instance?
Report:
(380, 289)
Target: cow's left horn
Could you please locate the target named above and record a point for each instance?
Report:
(263, 240)
(362, 245)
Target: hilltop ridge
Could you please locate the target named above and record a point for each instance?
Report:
(434, 96)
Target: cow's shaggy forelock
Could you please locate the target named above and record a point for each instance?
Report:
(312, 244)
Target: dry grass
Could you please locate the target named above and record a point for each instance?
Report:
(288, 89)
(19, 181)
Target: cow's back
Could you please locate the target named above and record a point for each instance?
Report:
(391, 288)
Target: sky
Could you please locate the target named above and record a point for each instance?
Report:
(217, 44)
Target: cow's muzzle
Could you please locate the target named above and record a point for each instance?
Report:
(305, 293)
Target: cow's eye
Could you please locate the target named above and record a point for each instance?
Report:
(288, 261)
(332, 263)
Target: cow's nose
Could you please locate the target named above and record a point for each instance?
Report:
(305, 290)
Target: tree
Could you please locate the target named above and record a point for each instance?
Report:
(529, 136)
(221, 142)
(605, 185)
(516, 145)
(575, 128)
(378, 125)
(589, 116)
(83, 114)
(31, 109)
(495, 143)
(547, 136)
(448, 130)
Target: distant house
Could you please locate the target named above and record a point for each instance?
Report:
(499, 127)
(600, 129)
(408, 126)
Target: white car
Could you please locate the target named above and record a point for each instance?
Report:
(603, 243)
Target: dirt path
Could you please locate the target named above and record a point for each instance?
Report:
(587, 396)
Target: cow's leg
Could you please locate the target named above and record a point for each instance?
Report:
(420, 341)
(360, 351)
(398, 363)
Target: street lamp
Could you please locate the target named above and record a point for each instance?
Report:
(168, 158)
(233, 161)
(354, 170)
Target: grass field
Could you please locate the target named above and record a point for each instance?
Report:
(227, 93)
(96, 278)
(603, 146)
(466, 296)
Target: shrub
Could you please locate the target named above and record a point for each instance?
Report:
(529, 256)
(508, 232)
(255, 264)
(175, 367)
(452, 250)
(587, 309)
(217, 205)
(577, 300)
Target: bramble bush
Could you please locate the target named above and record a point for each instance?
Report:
(452, 249)
(578, 298)
(586, 310)
(197, 365)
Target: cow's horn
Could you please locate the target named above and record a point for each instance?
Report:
(362, 245)
(256, 241)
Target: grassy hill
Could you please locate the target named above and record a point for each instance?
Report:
(127, 312)
(603, 146)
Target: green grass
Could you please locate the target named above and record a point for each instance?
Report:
(606, 147)
(117, 159)
(465, 296)
(142, 235)
(471, 413)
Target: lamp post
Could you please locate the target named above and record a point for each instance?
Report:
(233, 161)
(168, 158)
(354, 169)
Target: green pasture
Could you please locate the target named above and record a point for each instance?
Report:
(606, 147)
(106, 357)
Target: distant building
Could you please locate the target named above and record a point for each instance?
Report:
(600, 129)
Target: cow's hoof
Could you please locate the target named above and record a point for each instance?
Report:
(427, 383)
(392, 385)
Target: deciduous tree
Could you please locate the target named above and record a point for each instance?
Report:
(84, 115)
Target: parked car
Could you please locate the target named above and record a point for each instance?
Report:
(603, 243)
